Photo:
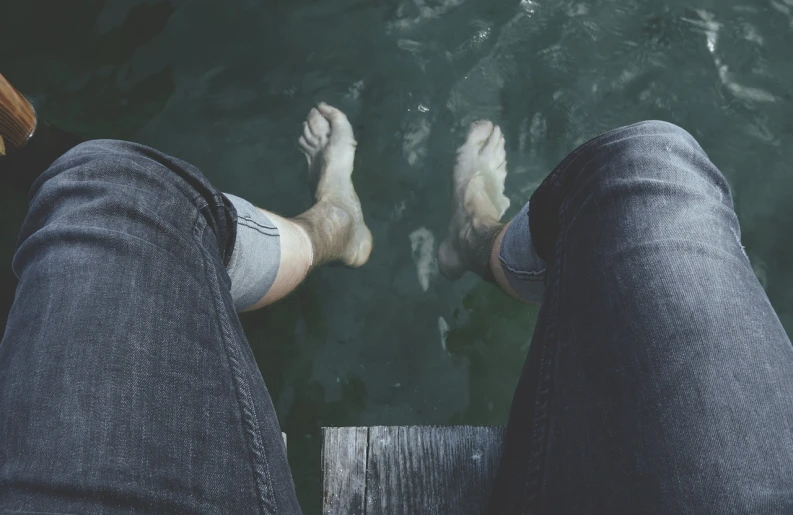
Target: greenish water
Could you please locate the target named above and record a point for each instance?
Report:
(226, 85)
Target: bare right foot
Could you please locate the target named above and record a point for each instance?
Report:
(479, 202)
(335, 223)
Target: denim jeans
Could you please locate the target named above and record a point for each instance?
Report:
(659, 379)
(126, 382)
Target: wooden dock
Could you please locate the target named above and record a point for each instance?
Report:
(411, 470)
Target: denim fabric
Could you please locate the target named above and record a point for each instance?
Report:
(523, 268)
(256, 257)
(659, 378)
(126, 382)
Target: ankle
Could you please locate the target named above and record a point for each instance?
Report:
(480, 240)
(327, 228)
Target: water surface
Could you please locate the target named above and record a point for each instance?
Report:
(226, 85)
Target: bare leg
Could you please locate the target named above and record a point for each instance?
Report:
(333, 229)
(475, 230)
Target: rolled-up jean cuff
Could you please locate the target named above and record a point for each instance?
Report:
(523, 268)
(256, 256)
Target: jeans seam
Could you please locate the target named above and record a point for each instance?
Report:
(251, 426)
(524, 274)
(549, 340)
(554, 186)
(251, 220)
(255, 228)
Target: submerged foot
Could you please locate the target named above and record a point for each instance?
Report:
(335, 223)
(478, 204)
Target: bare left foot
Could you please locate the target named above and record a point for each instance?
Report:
(335, 223)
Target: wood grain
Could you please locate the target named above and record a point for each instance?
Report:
(17, 117)
(413, 469)
(344, 453)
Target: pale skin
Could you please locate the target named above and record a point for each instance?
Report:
(475, 230)
(333, 229)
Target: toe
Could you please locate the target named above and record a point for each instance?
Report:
(501, 154)
(309, 136)
(305, 146)
(480, 131)
(318, 125)
(502, 166)
(495, 143)
(340, 128)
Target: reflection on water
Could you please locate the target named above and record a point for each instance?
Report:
(226, 86)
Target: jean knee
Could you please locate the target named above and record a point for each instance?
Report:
(123, 166)
(657, 151)
(99, 153)
(100, 147)
(109, 161)
(126, 177)
(641, 167)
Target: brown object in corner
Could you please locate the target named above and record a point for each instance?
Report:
(28, 146)
(17, 118)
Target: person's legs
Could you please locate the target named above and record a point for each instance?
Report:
(126, 382)
(274, 254)
(659, 379)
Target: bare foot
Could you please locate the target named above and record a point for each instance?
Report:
(335, 223)
(479, 202)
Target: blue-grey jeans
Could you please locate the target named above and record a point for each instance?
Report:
(659, 379)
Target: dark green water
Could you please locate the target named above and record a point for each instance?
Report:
(226, 85)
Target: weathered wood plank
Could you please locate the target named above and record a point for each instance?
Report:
(412, 470)
(431, 470)
(344, 454)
